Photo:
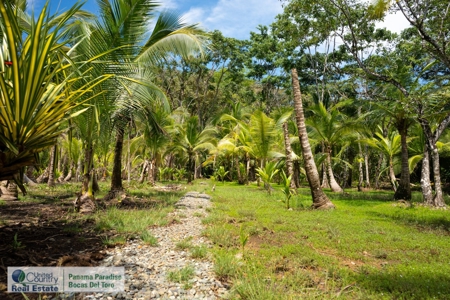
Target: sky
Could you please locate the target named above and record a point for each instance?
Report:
(234, 18)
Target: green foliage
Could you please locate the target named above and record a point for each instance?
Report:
(184, 244)
(198, 251)
(225, 265)
(149, 239)
(221, 173)
(16, 244)
(182, 275)
(286, 188)
(267, 174)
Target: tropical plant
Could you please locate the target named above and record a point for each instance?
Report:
(221, 173)
(267, 174)
(286, 188)
(37, 74)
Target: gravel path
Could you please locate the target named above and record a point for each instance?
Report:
(147, 267)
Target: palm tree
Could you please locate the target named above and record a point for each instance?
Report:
(34, 83)
(390, 145)
(331, 128)
(190, 141)
(320, 200)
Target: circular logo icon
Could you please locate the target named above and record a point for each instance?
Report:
(18, 276)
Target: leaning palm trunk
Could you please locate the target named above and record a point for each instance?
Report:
(320, 200)
(335, 187)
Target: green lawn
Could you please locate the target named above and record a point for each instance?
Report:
(368, 248)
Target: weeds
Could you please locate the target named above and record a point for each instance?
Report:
(184, 244)
(149, 239)
(198, 252)
(182, 275)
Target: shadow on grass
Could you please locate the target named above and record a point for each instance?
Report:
(43, 231)
(411, 284)
(424, 220)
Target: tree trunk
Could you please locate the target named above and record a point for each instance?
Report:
(129, 155)
(404, 188)
(335, 187)
(377, 171)
(360, 169)
(116, 176)
(151, 172)
(144, 170)
(425, 183)
(325, 184)
(392, 175)
(51, 167)
(88, 154)
(288, 151)
(366, 163)
(438, 200)
(190, 167)
(320, 200)
(431, 138)
(69, 175)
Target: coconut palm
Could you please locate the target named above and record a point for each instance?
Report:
(320, 200)
(330, 127)
(390, 145)
(191, 141)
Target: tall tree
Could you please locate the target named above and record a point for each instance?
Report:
(320, 200)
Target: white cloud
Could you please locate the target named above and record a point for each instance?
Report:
(194, 16)
(168, 4)
(394, 22)
(236, 18)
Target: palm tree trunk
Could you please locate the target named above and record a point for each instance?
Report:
(366, 163)
(377, 171)
(392, 175)
(116, 176)
(425, 183)
(438, 200)
(335, 187)
(320, 200)
(51, 167)
(404, 188)
(145, 166)
(288, 151)
(190, 167)
(360, 169)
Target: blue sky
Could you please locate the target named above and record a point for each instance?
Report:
(235, 18)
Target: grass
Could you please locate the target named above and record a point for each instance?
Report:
(182, 275)
(149, 239)
(184, 244)
(198, 252)
(368, 248)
